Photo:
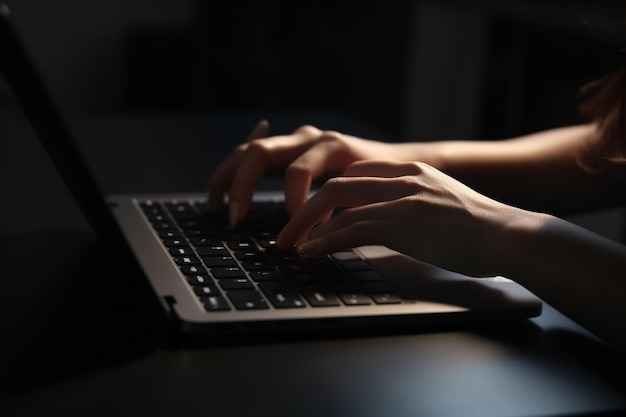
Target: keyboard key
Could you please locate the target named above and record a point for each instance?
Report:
(282, 257)
(241, 245)
(348, 255)
(324, 265)
(182, 251)
(304, 278)
(267, 242)
(206, 290)
(232, 235)
(321, 298)
(186, 260)
(267, 275)
(179, 207)
(228, 272)
(298, 268)
(193, 270)
(248, 300)
(188, 216)
(213, 250)
(250, 255)
(192, 224)
(219, 261)
(355, 299)
(175, 242)
(199, 279)
(215, 303)
(202, 233)
(366, 276)
(157, 218)
(386, 299)
(236, 284)
(163, 226)
(170, 234)
(282, 296)
(257, 265)
(151, 208)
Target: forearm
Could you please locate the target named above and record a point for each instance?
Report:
(539, 171)
(581, 274)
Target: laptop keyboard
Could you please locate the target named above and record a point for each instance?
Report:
(242, 268)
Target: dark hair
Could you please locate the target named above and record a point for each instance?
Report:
(604, 104)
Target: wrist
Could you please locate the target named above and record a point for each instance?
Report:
(430, 153)
(515, 243)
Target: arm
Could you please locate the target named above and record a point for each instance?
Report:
(576, 271)
(523, 171)
(539, 171)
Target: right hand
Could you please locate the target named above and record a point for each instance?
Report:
(414, 209)
(302, 156)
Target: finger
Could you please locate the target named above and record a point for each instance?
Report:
(367, 232)
(380, 211)
(251, 167)
(340, 192)
(385, 169)
(300, 173)
(221, 178)
(261, 130)
(260, 156)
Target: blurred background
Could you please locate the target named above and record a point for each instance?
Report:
(413, 69)
(418, 70)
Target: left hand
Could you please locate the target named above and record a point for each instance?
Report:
(409, 207)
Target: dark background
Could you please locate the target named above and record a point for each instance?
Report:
(514, 66)
(418, 70)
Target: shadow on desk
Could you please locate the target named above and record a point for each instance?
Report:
(66, 308)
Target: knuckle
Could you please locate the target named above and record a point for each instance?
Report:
(241, 148)
(258, 147)
(297, 169)
(334, 183)
(410, 182)
(331, 136)
(414, 167)
(410, 186)
(307, 129)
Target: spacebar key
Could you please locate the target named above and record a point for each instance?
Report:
(282, 295)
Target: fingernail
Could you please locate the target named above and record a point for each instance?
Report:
(309, 248)
(259, 131)
(233, 213)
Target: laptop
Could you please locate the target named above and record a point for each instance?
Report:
(212, 278)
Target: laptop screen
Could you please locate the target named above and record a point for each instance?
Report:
(26, 84)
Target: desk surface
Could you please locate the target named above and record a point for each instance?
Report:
(74, 343)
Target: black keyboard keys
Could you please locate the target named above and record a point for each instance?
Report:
(248, 300)
(241, 267)
(282, 295)
(215, 303)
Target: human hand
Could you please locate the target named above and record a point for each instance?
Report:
(409, 207)
(302, 156)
